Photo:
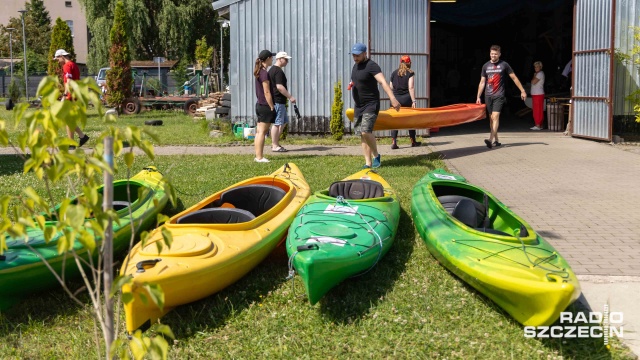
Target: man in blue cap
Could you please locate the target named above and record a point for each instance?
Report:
(365, 77)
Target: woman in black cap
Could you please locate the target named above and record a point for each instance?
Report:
(264, 107)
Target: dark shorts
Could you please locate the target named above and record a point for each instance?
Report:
(364, 123)
(265, 115)
(495, 103)
(404, 100)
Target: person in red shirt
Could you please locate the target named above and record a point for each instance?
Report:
(70, 71)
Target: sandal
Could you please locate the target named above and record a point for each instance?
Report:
(280, 149)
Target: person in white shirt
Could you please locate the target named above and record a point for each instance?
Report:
(537, 95)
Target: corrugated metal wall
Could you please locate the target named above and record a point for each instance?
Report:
(626, 77)
(592, 69)
(318, 34)
(401, 27)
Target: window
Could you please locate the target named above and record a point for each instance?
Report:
(67, 3)
(70, 24)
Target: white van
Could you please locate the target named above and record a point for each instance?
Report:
(101, 78)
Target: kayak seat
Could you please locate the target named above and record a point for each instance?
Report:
(217, 216)
(464, 213)
(356, 189)
(256, 199)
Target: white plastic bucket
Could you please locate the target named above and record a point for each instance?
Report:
(249, 133)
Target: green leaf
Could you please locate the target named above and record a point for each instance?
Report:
(127, 298)
(119, 282)
(165, 331)
(162, 218)
(49, 233)
(63, 244)
(167, 236)
(41, 221)
(87, 240)
(128, 159)
(75, 215)
(155, 293)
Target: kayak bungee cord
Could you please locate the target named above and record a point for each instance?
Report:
(342, 200)
(562, 273)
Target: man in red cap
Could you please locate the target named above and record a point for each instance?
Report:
(70, 71)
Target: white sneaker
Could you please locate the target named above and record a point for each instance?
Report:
(263, 160)
(536, 128)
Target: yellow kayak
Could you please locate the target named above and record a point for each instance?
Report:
(215, 242)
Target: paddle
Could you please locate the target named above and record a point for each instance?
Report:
(295, 109)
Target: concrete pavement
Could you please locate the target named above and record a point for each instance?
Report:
(582, 196)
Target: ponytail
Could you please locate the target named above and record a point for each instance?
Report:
(257, 67)
(404, 68)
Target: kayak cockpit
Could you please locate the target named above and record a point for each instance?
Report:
(237, 205)
(479, 212)
(356, 189)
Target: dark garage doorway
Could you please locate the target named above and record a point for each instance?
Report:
(527, 31)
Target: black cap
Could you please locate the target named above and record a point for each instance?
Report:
(265, 54)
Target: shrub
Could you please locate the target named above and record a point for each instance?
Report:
(337, 124)
(14, 91)
(119, 79)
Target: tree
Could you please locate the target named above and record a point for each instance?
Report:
(203, 53)
(119, 78)
(337, 124)
(37, 25)
(167, 28)
(60, 39)
(84, 220)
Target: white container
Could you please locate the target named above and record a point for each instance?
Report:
(249, 133)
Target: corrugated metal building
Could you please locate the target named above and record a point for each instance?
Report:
(318, 34)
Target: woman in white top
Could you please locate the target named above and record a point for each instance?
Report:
(537, 95)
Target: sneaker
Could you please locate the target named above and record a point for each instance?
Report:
(416, 143)
(263, 160)
(365, 166)
(394, 146)
(376, 162)
(536, 128)
(83, 140)
(488, 143)
(495, 143)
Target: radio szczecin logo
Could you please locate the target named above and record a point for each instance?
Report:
(581, 326)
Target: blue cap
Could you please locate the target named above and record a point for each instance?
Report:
(358, 48)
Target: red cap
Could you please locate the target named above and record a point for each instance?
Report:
(405, 59)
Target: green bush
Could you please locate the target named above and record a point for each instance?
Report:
(119, 79)
(337, 125)
(14, 91)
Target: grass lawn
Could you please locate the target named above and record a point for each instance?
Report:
(181, 129)
(408, 306)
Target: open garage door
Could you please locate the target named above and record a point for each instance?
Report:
(592, 94)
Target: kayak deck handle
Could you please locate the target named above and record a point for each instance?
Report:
(146, 263)
(307, 247)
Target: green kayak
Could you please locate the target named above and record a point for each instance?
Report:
(342, 231)
(483, 242)
(22, 272)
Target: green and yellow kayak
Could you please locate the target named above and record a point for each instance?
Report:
(22, 271)
(483, 242)
(343, 231)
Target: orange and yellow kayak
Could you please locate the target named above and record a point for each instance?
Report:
(425, 118)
